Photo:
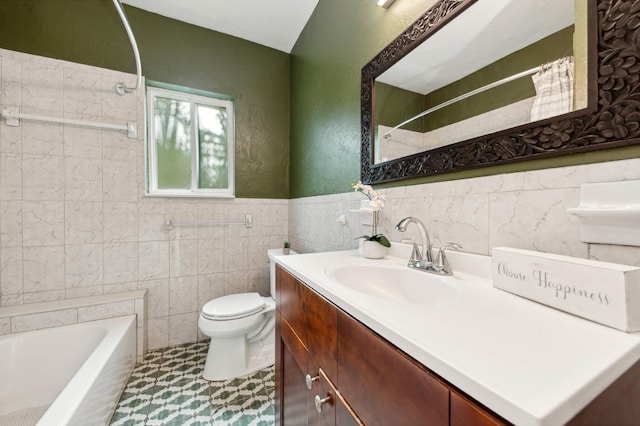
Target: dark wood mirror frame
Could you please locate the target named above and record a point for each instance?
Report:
(612, 118)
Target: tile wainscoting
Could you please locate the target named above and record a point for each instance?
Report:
(526, 210)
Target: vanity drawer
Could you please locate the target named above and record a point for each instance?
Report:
(311, 317)
(322, 333)
(382, 384)
(291, 301)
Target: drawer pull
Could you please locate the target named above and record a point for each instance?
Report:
(309, 380)
(320, 402)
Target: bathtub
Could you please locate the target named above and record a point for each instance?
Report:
(69, 375)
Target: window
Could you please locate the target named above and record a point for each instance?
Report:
(190, 144)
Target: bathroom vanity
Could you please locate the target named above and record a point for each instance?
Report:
(468, 355)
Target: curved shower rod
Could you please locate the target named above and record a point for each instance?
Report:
(121, 88)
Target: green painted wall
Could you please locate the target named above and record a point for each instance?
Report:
(393, 105)
(257, 77)
(341, 37)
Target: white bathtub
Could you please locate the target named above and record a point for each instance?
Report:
(69, 375)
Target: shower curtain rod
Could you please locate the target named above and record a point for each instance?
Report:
(121, 88)
(531, 71)
(13, 119)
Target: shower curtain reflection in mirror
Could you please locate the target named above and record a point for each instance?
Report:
(554, 89)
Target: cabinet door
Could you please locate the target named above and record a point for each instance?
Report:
(291, 390)
(344, 415)
(382, 385)
(466, 413)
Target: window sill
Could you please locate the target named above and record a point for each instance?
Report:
(187, 195)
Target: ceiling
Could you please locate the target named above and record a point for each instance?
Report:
(273, 23)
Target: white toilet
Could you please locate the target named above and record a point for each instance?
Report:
(242, 331)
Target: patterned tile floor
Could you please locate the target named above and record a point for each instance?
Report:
(167, 389)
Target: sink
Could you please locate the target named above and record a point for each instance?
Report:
(395, 283)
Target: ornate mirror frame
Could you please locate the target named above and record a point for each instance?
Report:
(612, 118)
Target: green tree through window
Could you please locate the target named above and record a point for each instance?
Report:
(191, 145)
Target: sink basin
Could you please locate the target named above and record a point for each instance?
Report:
(395, 283)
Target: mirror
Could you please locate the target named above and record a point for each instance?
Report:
(471, 103)
(468, 79)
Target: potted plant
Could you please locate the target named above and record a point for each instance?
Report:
(375, 245)
(286, 247)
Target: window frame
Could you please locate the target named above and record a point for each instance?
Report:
(152, 189)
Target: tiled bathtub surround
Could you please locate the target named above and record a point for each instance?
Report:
(74, 221)
(526, 210)
(36, 316)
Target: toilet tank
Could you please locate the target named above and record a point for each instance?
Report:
(272, 268)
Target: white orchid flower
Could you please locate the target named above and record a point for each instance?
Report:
(365, 189)
(376, 198)
(377, 204)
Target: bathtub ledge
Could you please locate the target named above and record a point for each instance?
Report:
(36, 316)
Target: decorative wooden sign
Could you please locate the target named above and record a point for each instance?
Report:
(606, 293)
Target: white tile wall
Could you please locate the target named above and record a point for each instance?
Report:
(74, 221)
(524, 210)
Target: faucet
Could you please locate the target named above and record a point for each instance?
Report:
(418, 257)
(441, 264)
(422, 259)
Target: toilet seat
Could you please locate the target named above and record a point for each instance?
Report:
(233, 306)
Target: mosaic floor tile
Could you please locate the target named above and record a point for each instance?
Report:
(167, 389)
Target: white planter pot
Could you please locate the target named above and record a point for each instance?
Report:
(373, 250)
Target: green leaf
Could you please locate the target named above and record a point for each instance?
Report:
(381, 239)
(378, 238)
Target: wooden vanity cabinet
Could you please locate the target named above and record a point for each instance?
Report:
(362, 378)
(306, 355)
(366, 380)
(382, 384)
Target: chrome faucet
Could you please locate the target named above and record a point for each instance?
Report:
(441, 264)
(423, 256)
(422, 259)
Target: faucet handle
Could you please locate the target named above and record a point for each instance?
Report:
(415, 253)
(441, 261)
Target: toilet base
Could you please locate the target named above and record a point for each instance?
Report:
(236, 357)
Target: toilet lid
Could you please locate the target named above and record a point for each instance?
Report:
(233, 306)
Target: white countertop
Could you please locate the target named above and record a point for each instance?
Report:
(531, 364)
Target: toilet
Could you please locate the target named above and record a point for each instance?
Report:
(242, 331)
